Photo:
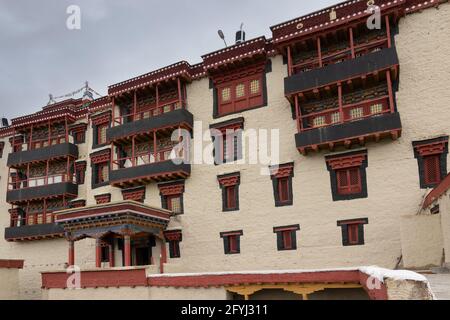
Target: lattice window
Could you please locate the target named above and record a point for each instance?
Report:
(240, 90)
(319, 121)
(101, 133)
(376, 108)
(335, 117)
(432, 169)
(356, 113)
(254, 86)
(174, 204)
(348, 181)
(226, 94)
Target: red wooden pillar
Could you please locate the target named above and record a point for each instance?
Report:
(113, 112)
(127, 250)
(98, 253)
(66, 125)
(111, 254)
(135, 105)
(352, 43)
(289, 56)
(298, 115)
(341, 111)
(154, 145)
(319, 51)
(49, 133)
(163, 258)
(388, 31)
(157, 97)
(31, 138)
(179, 90)
(71, 253)
(391, 94)
(133, 151)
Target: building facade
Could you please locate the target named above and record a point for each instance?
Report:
(363, 137)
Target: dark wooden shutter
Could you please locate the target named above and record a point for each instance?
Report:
(432, 169)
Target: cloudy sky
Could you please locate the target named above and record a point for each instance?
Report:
(118, 39)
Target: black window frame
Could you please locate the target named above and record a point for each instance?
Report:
(345, 234)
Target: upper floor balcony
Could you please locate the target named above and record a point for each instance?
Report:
(346, 113)
(147, 157)
(143, 110)
(339, 55)
(41, 142)
(42, 180)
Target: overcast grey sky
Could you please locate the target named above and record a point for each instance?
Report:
(118, 40)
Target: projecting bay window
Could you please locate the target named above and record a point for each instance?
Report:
(348, 175)
(229, 184)
(173, 237)
(286, 237)
(431, 157)
(352, 231)
(281, 176)
(232, 241)
(172, 196)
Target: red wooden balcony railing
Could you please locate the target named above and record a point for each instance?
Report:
(40, 143)
(354, 48)
(144, 158)
(17, 183)
(350, 112)
(149, 111)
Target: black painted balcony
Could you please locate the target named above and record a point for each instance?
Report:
(375, 127)
(157, 171)
(42, 154)
(180, 117)
(34, 232)
(69, 189)
(367, 64)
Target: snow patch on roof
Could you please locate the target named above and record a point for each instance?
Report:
(382, 273)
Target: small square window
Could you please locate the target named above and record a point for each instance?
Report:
(348, 181)
(226, 94)
(231, 241)
(102, 173)
(286, 237)
(240, 90)
(335, 117)
(319, 121)
(254, 86)
(356, 113)
(376, 108)
(101, 133)
(174, 204)
(352, 231)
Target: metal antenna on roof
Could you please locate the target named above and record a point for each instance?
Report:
(222, 36)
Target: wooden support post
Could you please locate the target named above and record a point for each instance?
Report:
(388, 31)
(111, 254)
(391, 94)
(319, 52)
(98, 253)
(154, 145)
(133, 151)
(67, 129)
(30, 143)
(127, 250)
(113, 112)
(179, 90)
(289, 56)
(49, 133)
(352, 43)
(135, 106)
(71, 253)
(298, 115)
(163, 258)
(341, 111)
(157, 97)
(112, 156)
(304, 296)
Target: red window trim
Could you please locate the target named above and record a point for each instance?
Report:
(232, 244)
(349, 188)
(283, 189)
(247, 101)
(287, 239)
(432, 163)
